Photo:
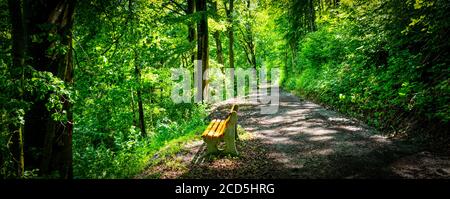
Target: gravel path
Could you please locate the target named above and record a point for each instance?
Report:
(303, 140)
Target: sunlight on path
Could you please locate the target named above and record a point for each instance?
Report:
(302, 140)
(313, 142)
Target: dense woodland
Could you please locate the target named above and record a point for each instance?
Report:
(85, 85)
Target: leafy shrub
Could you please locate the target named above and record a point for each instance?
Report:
(352, 67)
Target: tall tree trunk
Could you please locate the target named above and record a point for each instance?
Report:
(133, 110)
(191, 27)
(249, 40)
(230, 31)
(253, 53)
(250, 37)
(216, 35)
(18, 36)
(229, 12)
(286, 65)
(41, 132)
(219, 50)
(18, 61)
(137, 71)
(202, 39)
(141, 114)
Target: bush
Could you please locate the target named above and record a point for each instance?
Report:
(363, 75)
(130, 152)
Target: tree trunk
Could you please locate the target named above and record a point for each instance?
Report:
(133, 109)
(18, 37)
(253, 53)
(286, 66)
(216, 35)
(230, 30)
(202, 39)
(18, 61)
(231, 47)
(191, 27)
(218, 47)
(41, 132)
(137, 71)
(248, 40)
(141, 114)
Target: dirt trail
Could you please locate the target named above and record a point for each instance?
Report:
(304, 140)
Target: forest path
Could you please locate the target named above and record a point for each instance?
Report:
(303, 140)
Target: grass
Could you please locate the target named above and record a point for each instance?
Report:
(169, 158)
(172, 147)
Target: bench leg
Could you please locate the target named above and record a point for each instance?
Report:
(211, 146)
(230, 141)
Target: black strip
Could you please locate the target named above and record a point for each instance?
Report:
(282, 188)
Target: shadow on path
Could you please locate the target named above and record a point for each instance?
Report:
(305, 140)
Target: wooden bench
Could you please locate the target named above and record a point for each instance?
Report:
(222, 130)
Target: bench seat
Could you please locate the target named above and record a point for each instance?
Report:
(222, 130)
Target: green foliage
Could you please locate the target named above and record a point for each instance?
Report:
(131, 152)
(107, 140)
(16, 98)
(382, 61)
(371, 68)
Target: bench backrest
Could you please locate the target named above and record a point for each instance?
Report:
(217, 127)
(232, 116)
(235, 107)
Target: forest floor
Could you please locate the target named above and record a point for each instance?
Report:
(301, 140)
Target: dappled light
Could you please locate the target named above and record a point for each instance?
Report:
(195, 89)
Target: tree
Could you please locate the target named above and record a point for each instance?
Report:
(248, 36)
(216, 36)
(202, 42)
(43, 39)
(137, 72)
(301, 17)
(137, 69)
(229, 11)
(191, 28)
(18, 63)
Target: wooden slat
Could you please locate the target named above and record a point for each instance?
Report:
(213, 129)
(209, 127)
(220, 129)
(234, 108)
(217, 127)
(205, 133)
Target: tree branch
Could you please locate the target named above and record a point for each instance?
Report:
(179, 6)
(175, 11)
